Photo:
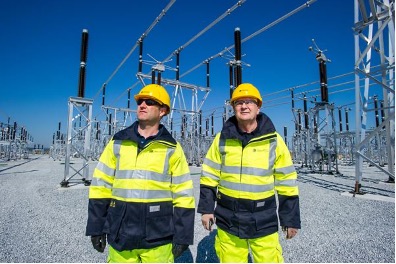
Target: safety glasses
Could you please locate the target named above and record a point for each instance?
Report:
(149, 102)
(247, 102)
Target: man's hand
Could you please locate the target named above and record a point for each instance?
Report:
(290, 232)
(177, 250)
(207, 221)
(99, 242)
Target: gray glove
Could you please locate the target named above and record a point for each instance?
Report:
(177, 250)
(99, 242)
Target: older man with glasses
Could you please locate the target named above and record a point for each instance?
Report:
(141, 196)
(246, 167)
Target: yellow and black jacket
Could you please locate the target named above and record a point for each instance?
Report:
(141, 194)
(242, 172)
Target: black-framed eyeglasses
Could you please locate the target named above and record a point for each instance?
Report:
(247, 102)
(149, 102)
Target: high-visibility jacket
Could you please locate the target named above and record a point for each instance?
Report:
(242, 172)
(142, 198)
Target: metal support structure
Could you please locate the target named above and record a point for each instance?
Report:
(374, 35)
(78, 140)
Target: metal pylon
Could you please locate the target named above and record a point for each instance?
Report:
(323, 145)
(78, 140)
(374, 31)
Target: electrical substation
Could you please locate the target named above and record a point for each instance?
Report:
(325, 71)
(322, 139)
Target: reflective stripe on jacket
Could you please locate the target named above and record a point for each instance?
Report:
(142, 199)
(243, 180)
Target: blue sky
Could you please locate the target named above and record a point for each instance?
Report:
(41, 39)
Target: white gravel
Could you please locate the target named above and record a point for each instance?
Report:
(43, 222)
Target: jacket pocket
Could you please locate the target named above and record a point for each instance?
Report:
(224, 216)
(266, 218)
(115, 216)
(159, 221)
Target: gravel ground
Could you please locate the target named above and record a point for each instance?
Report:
(43, 222)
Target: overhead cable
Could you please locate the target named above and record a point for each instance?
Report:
(307, 4)
(145, 34)
(227, 12)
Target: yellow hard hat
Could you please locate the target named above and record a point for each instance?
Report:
(155, 92)
(246, 90)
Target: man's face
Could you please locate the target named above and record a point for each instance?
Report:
(246, 109)
(149, 110)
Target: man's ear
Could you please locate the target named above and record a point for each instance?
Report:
(163, 110)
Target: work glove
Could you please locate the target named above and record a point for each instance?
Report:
(177, 250)
(99, 242)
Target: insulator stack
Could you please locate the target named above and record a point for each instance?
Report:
(315, 125)
(292, 97)
(324, 92)
(140, 67)
(97, 131)
(83, 62)
(159, 78)
(103, 94)
(238, 56)
(207, 74)
(377, 123)
(206, 127)
(285, 134)
(212, 124)
(110, 126)
(231, 74)
(340, 118)
(306, 121)
(58, 132)
(382, 111)
(346, 120)
(200, 122)
(177, 66)
(129, 99)
(14, 130)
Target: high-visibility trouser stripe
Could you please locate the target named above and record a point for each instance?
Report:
(246, 170)
(142, 174)
(100, 182)
(212, 164)
(105, 169)
(210, 175)
(142, 194)
(285, 170)
(246, 187)
(290, 183)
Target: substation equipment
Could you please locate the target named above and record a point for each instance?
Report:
(316, 144)
(14, 142)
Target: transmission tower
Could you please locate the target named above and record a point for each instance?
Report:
(374, 41)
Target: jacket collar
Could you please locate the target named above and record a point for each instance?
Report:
(130, 133)
(231, 130)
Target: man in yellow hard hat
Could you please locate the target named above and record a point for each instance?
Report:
(246, 167)
(141, 196)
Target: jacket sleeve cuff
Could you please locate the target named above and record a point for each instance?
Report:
(184, 225)
(289, 211)
(207, 198)
(97, 213)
